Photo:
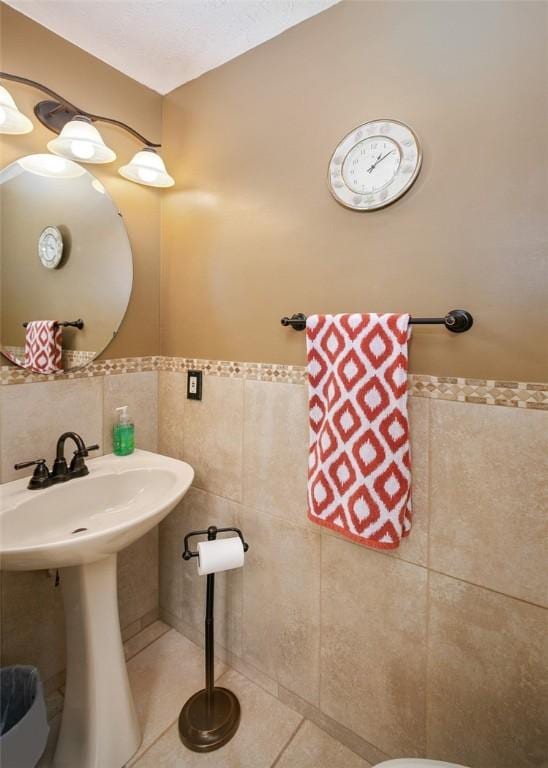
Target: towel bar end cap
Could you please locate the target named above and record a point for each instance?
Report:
(458, 321)
(296, 321)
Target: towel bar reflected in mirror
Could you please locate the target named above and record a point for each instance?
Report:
(67, 323)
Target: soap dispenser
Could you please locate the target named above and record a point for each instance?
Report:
(123, 433)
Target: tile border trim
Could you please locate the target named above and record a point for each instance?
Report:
(10, 374)
(515, 394)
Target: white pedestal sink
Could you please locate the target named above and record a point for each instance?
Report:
(79, 527)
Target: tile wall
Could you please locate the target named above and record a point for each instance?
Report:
(436, 649)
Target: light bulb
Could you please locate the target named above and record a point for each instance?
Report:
(147, 167)
(80, 140)
(82, 149)
(148, 175)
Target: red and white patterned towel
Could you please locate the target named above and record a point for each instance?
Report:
(43, 347)
(359, 479)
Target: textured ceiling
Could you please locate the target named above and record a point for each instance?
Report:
(164, 43)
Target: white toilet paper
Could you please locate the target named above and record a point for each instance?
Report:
(220, 555)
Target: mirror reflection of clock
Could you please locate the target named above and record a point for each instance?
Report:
(50, 247)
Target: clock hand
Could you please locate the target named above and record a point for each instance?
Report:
(379, 160)
(376, 161)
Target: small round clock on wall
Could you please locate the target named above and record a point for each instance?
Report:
(374, 165)
(50, 247)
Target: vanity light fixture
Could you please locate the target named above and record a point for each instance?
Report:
(79, 139)
(147, 167)
(11, 120)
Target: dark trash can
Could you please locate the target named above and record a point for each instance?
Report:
(23, 721)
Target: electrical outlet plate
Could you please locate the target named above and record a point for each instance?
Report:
(194, 385)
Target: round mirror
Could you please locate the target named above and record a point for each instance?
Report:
(65, 258)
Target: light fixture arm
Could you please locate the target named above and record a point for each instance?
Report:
(46, 110)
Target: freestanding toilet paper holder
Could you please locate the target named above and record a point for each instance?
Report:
(211, 717)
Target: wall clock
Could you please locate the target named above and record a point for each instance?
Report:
(374, 165)
(50, 247)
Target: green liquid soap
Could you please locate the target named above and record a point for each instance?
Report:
(123, 434)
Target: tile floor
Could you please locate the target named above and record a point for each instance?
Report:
(165, 669)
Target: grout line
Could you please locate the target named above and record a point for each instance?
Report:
(217, 657)
(242, 443)
(252, 680)
(156, 740)
(428, 482)
(103, 415)
(224, 672)
(488, 589)
(158, 553)
(156, 415)
(428, 573)
(339, 537)
(332, 727)
(218, 661)
(239, 518)
(172, 722)
(427, 666)
(229, 666)
(168, 629)
(288, 742)
(320, 628)
(216, 495)
(387, 553)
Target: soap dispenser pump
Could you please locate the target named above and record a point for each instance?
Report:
(123, 433)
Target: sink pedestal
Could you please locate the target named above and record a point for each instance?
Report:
(99, 727)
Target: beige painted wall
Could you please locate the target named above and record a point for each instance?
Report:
(32, 51)
(251, 232)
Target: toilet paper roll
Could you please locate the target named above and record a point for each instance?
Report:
(220, 555)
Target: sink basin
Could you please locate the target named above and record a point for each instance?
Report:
(79, 527)
(91, 517)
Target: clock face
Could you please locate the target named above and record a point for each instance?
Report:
(50, 247)
(374, 165)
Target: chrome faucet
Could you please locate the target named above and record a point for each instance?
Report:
(60, 472)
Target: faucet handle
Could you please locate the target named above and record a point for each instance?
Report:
(40, 478)
(25, 464)
(77, 465)
(85, 450)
